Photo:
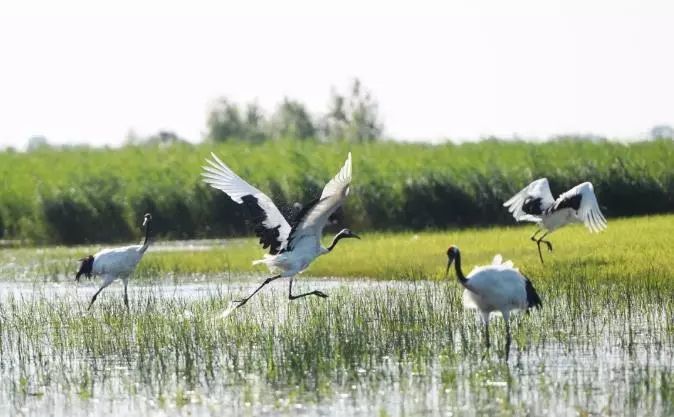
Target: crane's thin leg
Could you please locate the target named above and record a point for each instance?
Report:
(540, 255)
(508, 338)
(126, 297)
(485, 321)
(106, 281)
(266, 281)
(533, 237)
(540, 239)
(295, 297)
(538, 244)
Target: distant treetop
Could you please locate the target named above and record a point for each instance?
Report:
(352, 117)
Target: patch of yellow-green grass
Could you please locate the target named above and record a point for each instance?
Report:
(630, 249)
(636, 248)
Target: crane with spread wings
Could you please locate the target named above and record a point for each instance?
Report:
(534, 203)
(291, 247)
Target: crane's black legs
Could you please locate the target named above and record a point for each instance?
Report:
(126, 297)
(540, 255)
(107, 281)
(538, 243)
(547, 242)
(295, 297)
(507, 343)
(266, 281)
(508, 340)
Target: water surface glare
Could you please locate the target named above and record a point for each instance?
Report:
(371, 348)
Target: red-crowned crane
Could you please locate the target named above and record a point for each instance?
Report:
(499, 287)
(113, 263)
(291, 248)
(534, 203)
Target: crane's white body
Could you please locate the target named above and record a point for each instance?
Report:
(550, 214)
(118, 262)
(296, 261)
(499, 287)
(557, 219)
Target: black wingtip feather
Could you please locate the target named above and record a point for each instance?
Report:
(85, 267)
(269, 237)
(532, 205)
(572, 202)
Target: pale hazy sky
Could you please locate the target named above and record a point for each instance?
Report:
(87, 71)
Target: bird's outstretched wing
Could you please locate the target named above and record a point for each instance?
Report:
(583, 201)
(270, 225)
(531, 201)
(312, 219)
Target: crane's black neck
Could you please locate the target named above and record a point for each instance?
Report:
(146, 242)
(457, 267)
(339, 236)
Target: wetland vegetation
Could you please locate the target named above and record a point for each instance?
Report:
(392, 339)
(79, 195)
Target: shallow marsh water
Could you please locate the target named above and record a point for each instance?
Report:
(372, 348)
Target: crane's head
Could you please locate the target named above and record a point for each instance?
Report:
(344, 233)
(147, 219)
(452, 253)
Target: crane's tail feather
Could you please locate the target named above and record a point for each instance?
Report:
(267, 260)
(533, 299)
(273, 263)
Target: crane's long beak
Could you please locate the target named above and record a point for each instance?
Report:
(355, 235)
(449, 264)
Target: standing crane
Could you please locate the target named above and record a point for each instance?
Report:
(113, 263)
(534, 203)
(291, 248)
(499, 287)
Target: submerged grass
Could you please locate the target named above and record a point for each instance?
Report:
(403, 347)
(602, 344)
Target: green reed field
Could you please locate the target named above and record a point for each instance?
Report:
(392, 339)
(80, 195)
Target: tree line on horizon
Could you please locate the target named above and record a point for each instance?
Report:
(351, 116)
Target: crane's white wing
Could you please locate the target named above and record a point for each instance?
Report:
(496, 286)
(531, 201)
(583, 201)
(314, 216)
(271, 227)
(498, 261)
